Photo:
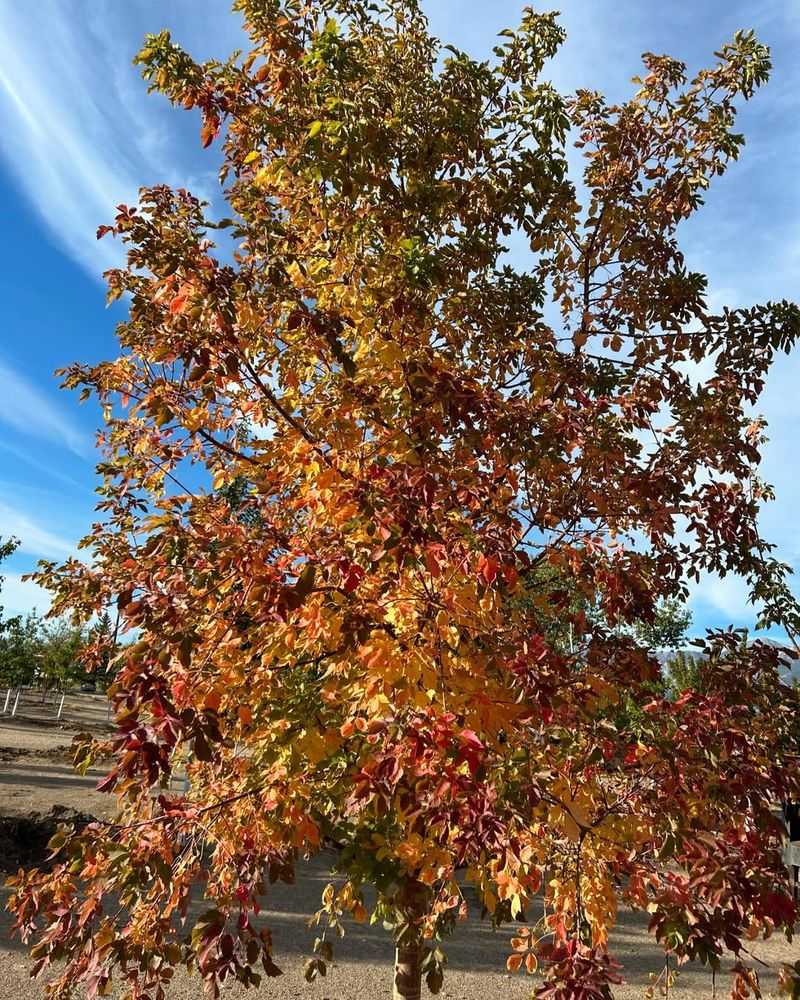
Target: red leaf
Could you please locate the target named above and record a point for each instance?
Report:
(487, 569)
(433, 564)
(177, 304)
(208, 132)
(107, 783)
(353, 575)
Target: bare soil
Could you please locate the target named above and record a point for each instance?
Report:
(36, 777)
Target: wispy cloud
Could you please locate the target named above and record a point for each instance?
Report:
(18, 596)
(26, 409)
(79, 131)
(34, 540)
(64, 155)
(724, 600)
(47, 469)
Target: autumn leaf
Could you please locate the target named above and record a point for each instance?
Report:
(514, 962)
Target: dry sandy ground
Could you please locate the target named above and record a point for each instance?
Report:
(35, 774)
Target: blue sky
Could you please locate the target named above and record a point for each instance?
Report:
(80, 135)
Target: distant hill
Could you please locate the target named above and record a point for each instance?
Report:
(664, 655)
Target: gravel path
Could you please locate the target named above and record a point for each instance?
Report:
(35, 775)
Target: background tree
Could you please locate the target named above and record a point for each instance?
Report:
(19, 649)
(546, 590)
(17, 637)
(7, 548)
(684, 673)
(350, 663)
(59, 648)
(100, 652)
(667, 629)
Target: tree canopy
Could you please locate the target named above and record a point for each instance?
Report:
(32, 649)
(7, 547)
(16, 665)
(333, 448)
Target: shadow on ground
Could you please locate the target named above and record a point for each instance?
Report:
(35, 774)
(476, 954)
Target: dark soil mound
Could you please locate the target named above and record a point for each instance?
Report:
(24, 839)
(59, 754)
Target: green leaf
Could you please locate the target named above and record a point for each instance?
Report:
(435, 979)
(57, 841)
(305, 582)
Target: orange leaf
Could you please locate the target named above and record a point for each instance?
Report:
(177, 304)
(511, 575)
(514, 962)
(432, 563)
(213, 701)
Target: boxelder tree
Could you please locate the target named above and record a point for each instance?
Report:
(332, 452)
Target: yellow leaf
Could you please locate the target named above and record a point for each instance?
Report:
(391, 352)
(571, 828)
(263, 177)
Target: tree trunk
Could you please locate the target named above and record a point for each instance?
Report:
(408, 972)
(413, 900)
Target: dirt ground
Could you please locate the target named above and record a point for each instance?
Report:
(36, 775)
